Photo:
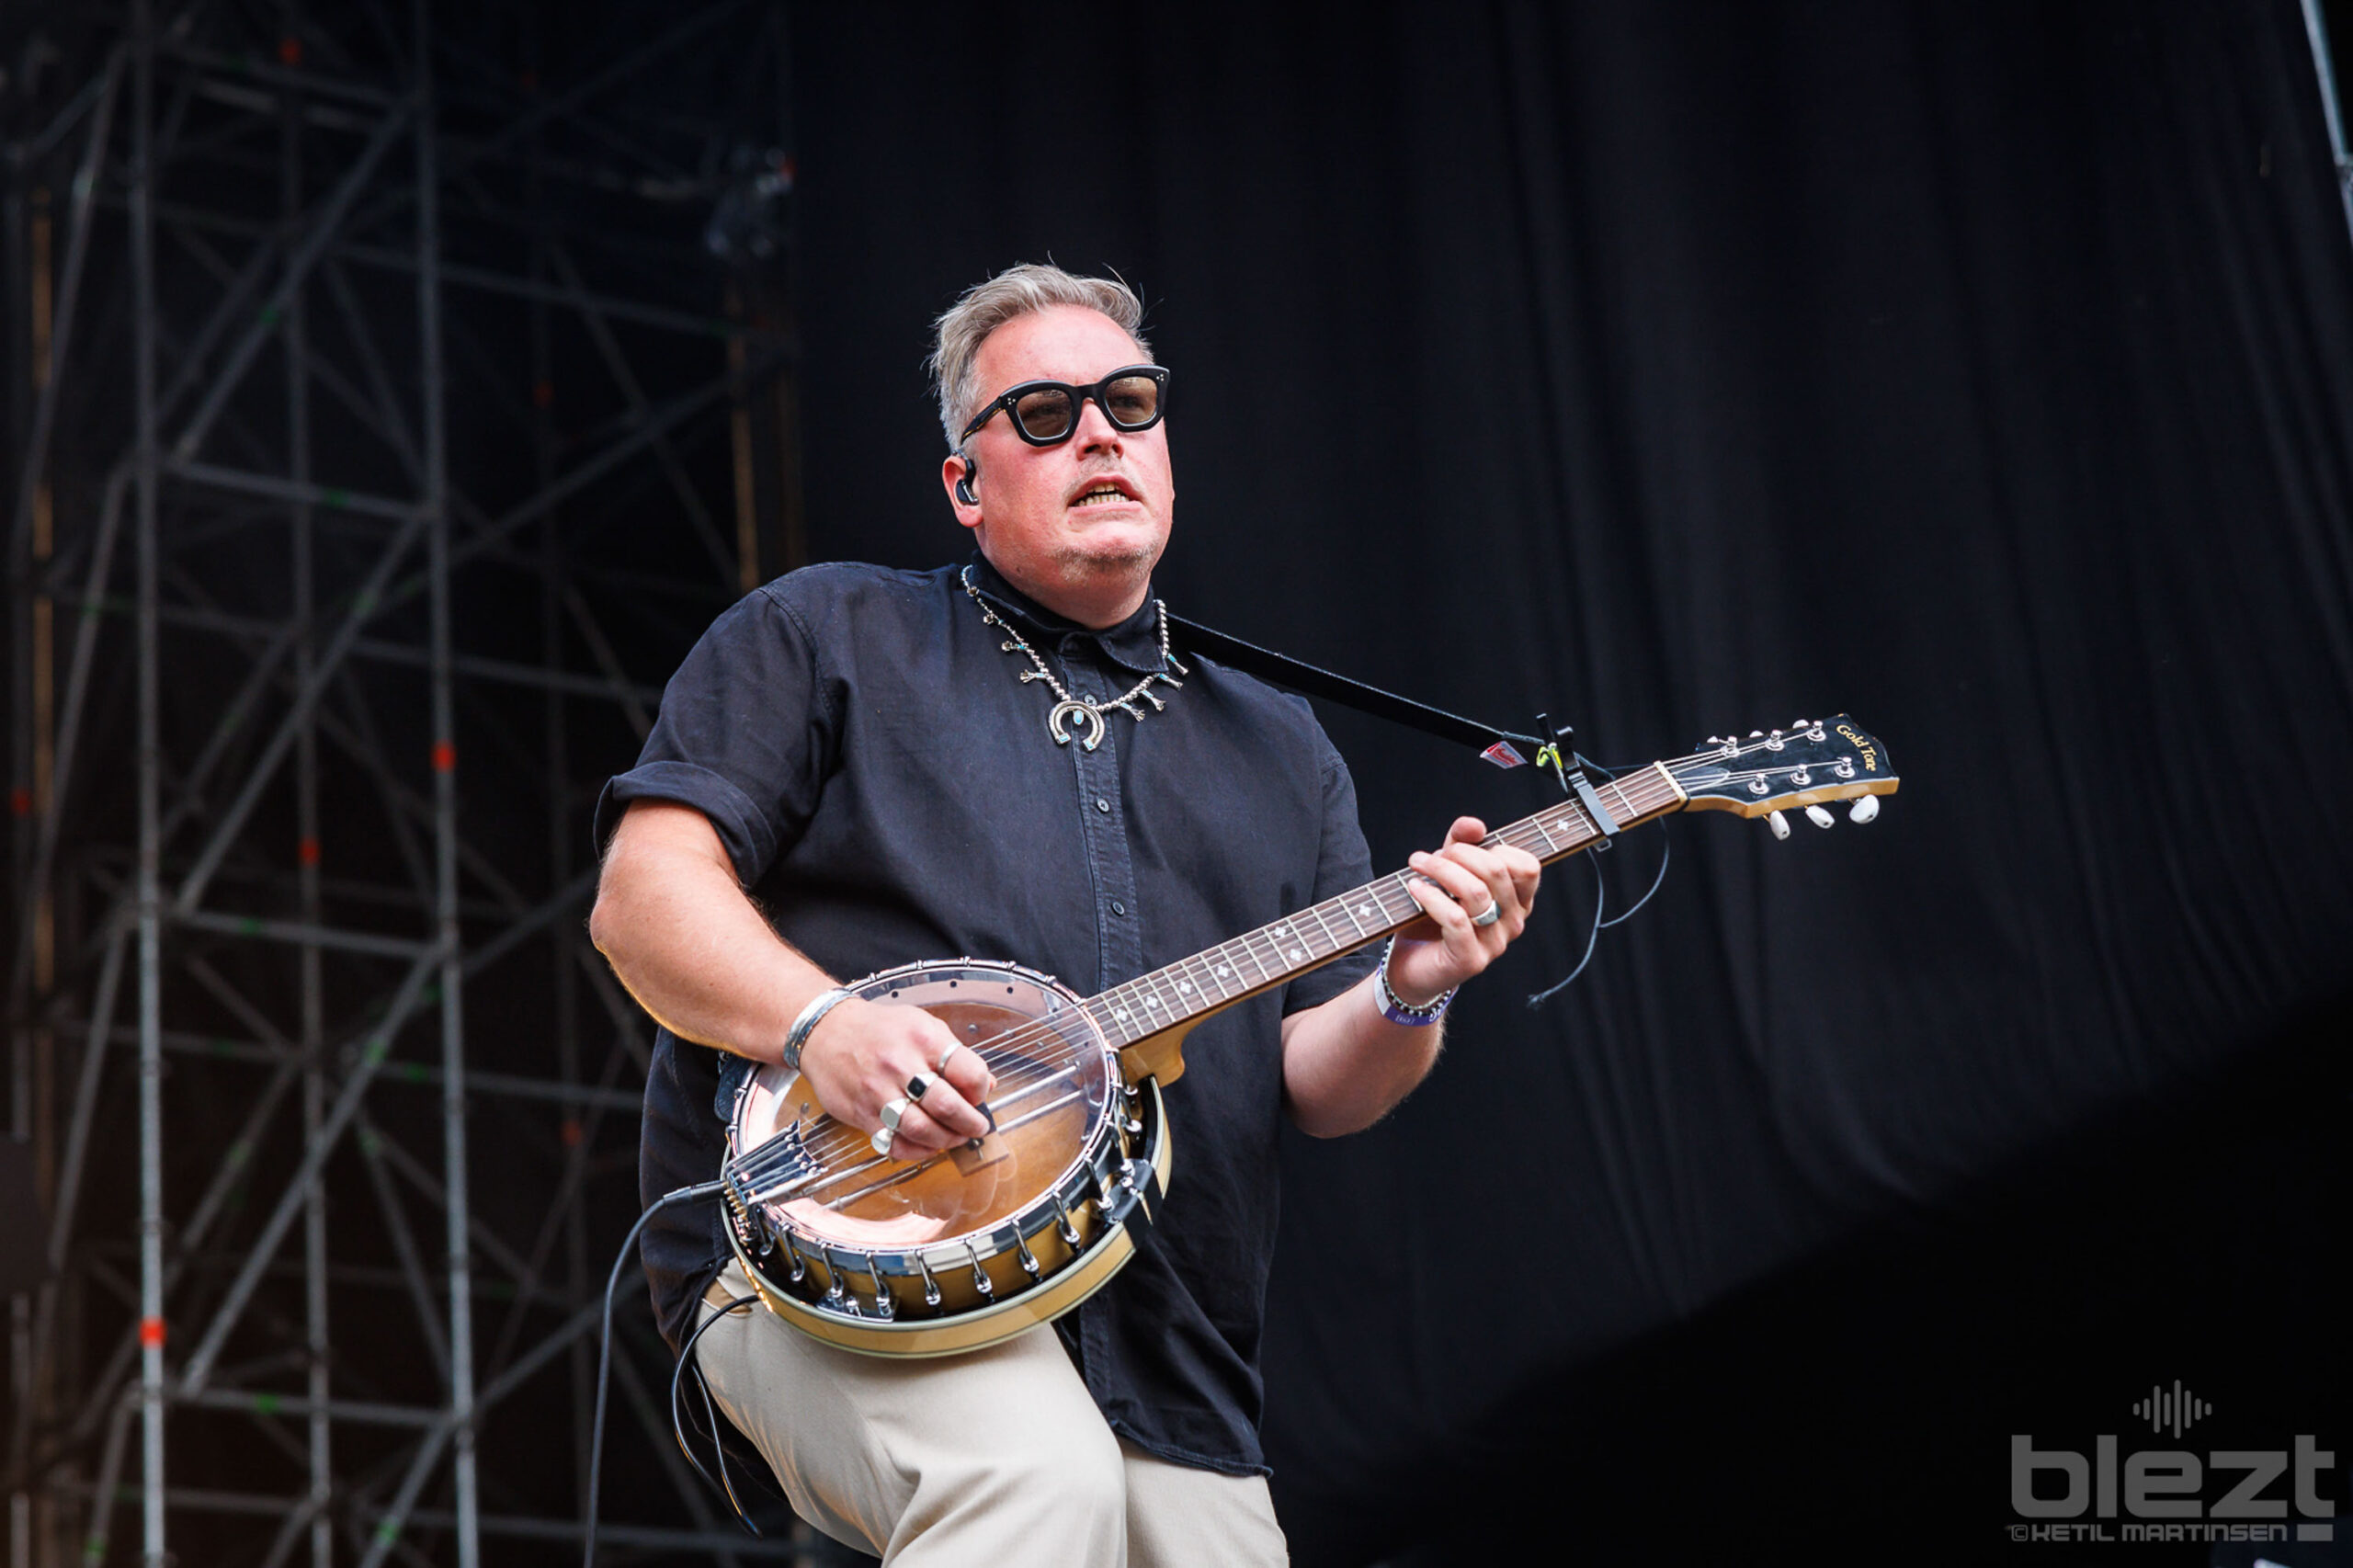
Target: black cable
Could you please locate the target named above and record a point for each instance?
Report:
(1600, 900)
(1600, 894)
(719, 1451)
(678, 1426)
(1666, 853)
(605, 1352)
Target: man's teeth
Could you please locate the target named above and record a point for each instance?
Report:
(1101, 493)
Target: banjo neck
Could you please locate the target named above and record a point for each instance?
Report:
(1146, 1018)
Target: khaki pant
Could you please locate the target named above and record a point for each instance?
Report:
(994, 1456)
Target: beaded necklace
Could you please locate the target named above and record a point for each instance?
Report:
(1072, 709)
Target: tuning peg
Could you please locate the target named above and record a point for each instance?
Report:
(1780, 824)
(1864, 809)
(1819, 817)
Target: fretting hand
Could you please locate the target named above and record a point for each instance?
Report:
(1457, 936)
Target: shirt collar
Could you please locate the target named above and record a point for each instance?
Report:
(1133, 642)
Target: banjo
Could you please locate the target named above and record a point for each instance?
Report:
(963, 1249)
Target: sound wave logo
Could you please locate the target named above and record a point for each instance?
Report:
(2175, 1407)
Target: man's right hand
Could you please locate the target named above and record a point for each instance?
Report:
(862, 1055)
(698, 955)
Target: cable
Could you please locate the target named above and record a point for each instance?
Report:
(1600, 895)
(719, 1451)
(1666, 853)
(605, 1351)
(677, 1425)
(1600, 900)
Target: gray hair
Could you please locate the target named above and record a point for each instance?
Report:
(987, 306)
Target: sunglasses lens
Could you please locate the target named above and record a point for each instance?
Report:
(1133, 402)
(1047, 414)
(1044, 413)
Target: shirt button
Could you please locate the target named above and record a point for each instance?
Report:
(1102, 805)
(1117, 908)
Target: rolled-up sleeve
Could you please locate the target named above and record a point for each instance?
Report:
(745, 735)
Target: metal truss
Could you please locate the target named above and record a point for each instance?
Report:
(2332, 109)
(394, 388)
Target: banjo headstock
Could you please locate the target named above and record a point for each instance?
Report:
(1809, 764)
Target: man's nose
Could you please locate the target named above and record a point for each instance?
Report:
(1095, 426)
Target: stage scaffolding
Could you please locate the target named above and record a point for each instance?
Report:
(394, 389)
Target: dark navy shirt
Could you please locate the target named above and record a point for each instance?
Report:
(886, 785)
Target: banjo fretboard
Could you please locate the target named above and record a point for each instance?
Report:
(1261, 959)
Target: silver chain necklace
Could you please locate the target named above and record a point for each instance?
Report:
(1079, 710)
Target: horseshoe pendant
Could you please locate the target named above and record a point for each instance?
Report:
(1067, 709)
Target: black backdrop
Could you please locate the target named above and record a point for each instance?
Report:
(1985, 369)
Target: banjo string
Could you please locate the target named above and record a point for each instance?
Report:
(834, 1137)
(828, 1137)
(831, 1138)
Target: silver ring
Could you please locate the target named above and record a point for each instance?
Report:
(920, 1085)
(894, 1110)
(1489, 915)
(882, 1138)
(941, 1065)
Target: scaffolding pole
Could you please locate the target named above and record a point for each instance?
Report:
(434, 505)
(2332, 108)
(151, 790)
(286, 264)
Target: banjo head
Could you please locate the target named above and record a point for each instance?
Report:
(963, 1248)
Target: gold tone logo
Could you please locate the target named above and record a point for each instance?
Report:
(1870, 753)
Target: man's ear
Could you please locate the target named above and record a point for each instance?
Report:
(957, 474)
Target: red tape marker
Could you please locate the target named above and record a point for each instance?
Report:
(151, 1331)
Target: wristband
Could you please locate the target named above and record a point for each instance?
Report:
(798, 1036)
(1394, 1008)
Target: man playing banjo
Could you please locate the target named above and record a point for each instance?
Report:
(858, 767)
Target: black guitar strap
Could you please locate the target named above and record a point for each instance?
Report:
(1502, 747)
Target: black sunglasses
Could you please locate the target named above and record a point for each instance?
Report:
(1045, 413)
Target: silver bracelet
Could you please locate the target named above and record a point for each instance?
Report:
(1397, 1010)
(798, 1036)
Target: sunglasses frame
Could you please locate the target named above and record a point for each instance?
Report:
(1078, 396)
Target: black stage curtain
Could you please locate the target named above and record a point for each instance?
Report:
(1985, 369)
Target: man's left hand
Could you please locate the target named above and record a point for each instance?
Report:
(1456, 887)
